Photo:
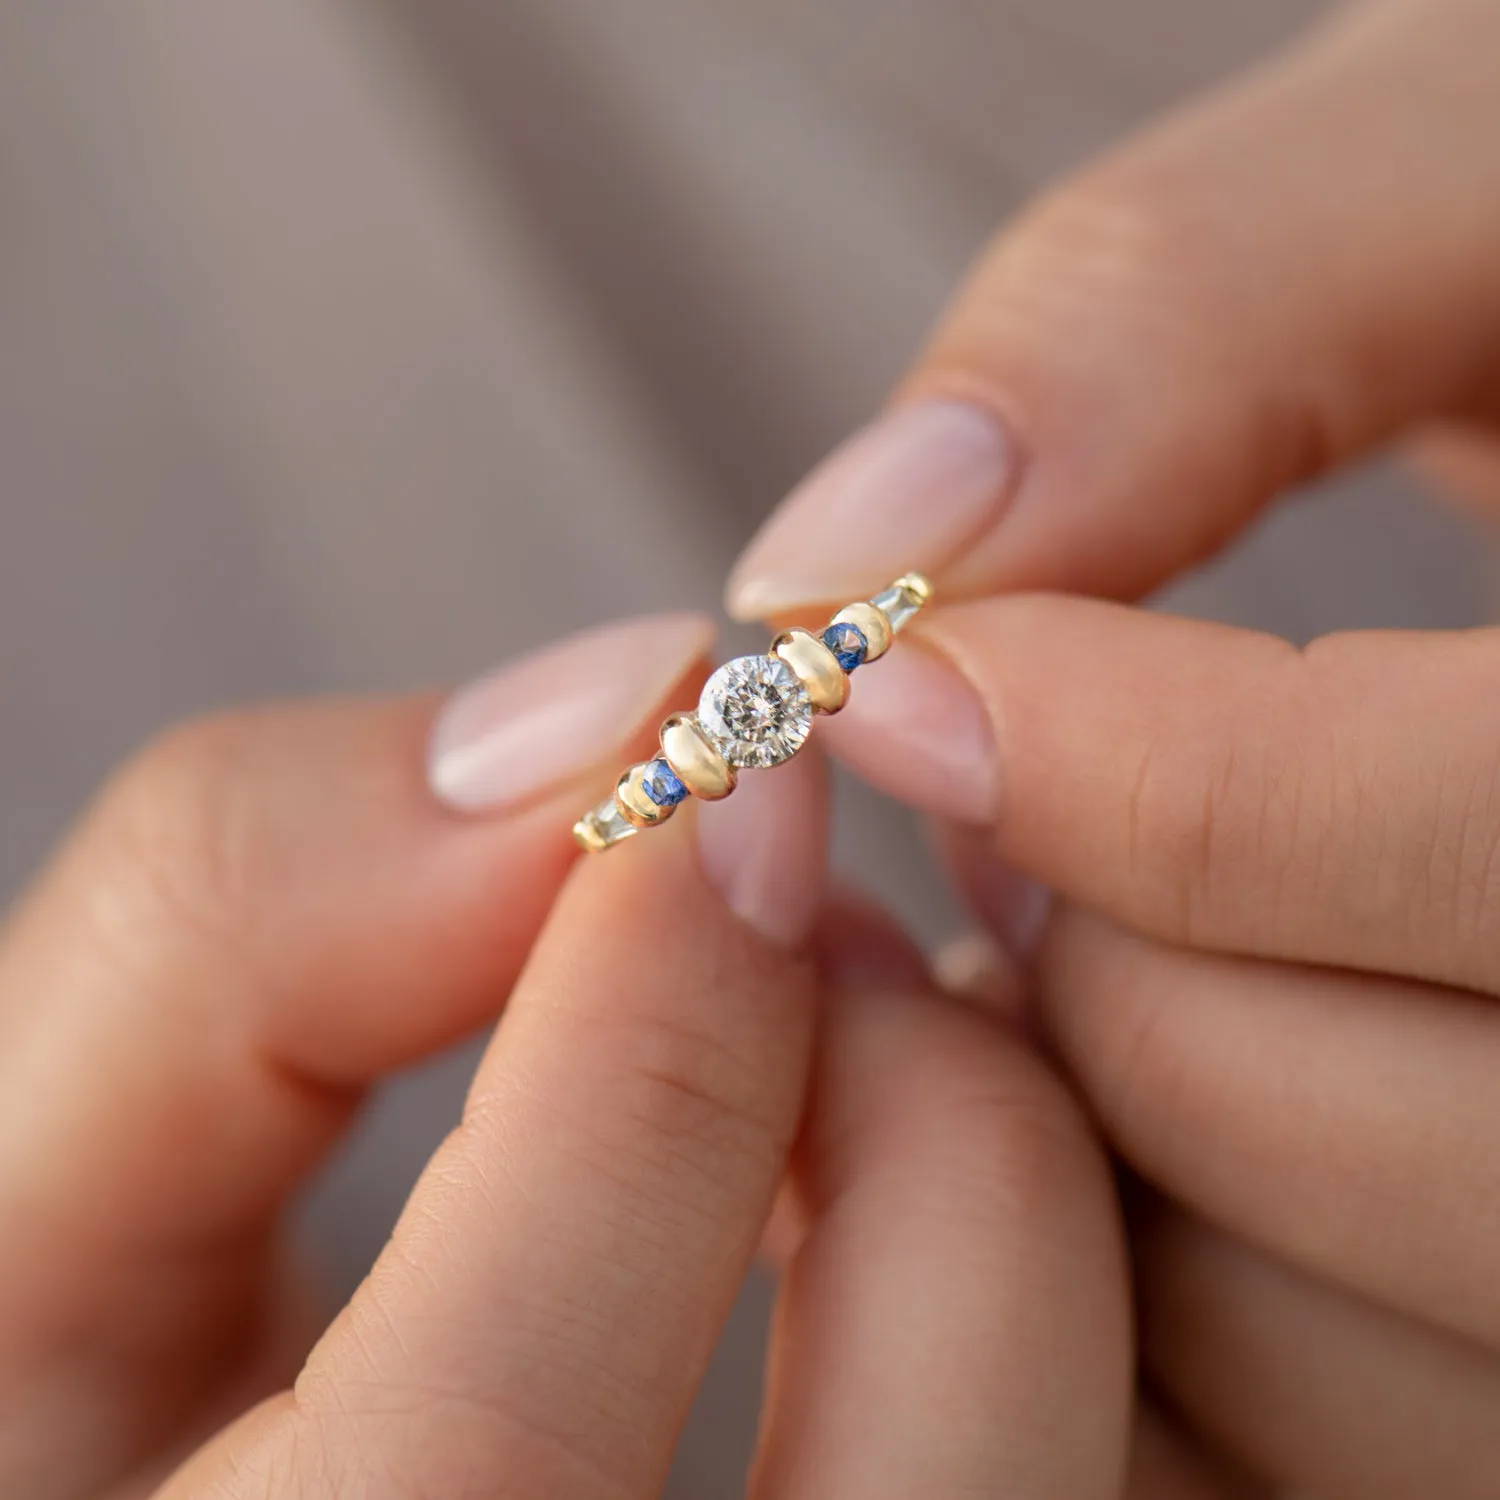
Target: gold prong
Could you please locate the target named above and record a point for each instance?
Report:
(589, 839)
(630, 793)
(696, 760)
(872, 622)
(604, 826)
(817, 668)
(916, 585)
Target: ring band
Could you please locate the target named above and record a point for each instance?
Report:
(754, 712)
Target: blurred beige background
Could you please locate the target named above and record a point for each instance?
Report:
(356, 345)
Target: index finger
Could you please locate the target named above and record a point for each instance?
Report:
(1208, 786)
(550, 1299)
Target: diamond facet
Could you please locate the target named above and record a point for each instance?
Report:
(756, 710)
(848, 643)
(662, 784)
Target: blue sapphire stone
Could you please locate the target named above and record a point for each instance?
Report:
(848, 644)
(663, 785)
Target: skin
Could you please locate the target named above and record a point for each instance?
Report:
(1267, 284)
(194, 998)
(1269, 971)
(1270, 968)
(1271, 965)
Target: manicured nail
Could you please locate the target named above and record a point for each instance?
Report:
(976, 968)
(909, 492)
(548, 717)
(766, 848)
(915, 728)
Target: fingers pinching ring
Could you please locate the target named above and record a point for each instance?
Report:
(754, 712)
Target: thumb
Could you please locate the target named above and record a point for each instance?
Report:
(1263, 286)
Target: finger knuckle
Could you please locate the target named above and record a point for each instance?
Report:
(1128, 245)
(1136, 262)
(703, 1109)
(1176, 833)
(176, 823)
(1034, 1132)
(1404, 827)
(1224, 820)
(679, 1112)
(1139, 1071)
(566, 1430)
(1002, 1131)
(1454, 861)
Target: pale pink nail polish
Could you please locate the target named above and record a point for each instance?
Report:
(543, 719)
(915, 728)
(978, 969)
(766, 848)
(910, 491)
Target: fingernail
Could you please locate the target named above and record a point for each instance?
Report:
(915, 728)
(539, 721)
(1013, 907)
(911, 491)
(976, 968)
(765, 848)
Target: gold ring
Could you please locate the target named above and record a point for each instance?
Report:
(754, 712)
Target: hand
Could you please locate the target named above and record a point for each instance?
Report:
(269, 911)
(1273, 281)
(1273, 968)
(1272, 965)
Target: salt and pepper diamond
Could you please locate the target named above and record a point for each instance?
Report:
(756, 710)
(662, 784)
(848, 644)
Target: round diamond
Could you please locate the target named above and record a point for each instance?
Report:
(756, 711)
